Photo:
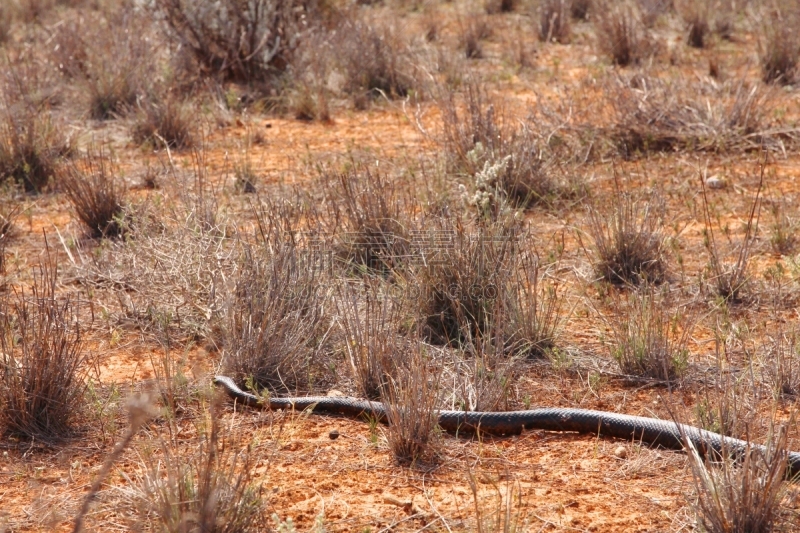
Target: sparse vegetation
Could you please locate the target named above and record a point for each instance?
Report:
(213, 490)
(167, 122)
(779, 49)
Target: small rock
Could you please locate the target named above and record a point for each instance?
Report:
(714, 182)
(333, 435)
(621, 452)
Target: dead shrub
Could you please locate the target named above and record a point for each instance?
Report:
(650, 339)
(213, 490)
(554, 21)
(779, 49)
(248, 42)
(628, 238)
(43, 366)
(276, 331)
(169, 122)
(743, 489)
(96, 195)
(621, 34)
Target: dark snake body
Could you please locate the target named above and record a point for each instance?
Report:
(653, 431)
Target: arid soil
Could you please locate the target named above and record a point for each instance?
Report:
(537, 481)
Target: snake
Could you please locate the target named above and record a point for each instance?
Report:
(653, 431)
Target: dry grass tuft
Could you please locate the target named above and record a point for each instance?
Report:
(214, 490)
(371, 216)
(741, 493)
(778, 46)
(472, 32)
(729, 278)
(43, 365)
(276, 331)
(650, 340)
(508, 165)
(696, 16)
(628, 239)
(370, 323)
(410, 397)
(96, 195)
(554, 21)
(621, 33)
(169, 122)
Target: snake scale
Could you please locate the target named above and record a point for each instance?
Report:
(652, 431)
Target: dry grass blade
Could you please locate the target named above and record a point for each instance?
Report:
(96, 195)
(741, 494)
(43, 364)
(629, 240)
(650, 340)
(214, 490)
(500, 510)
